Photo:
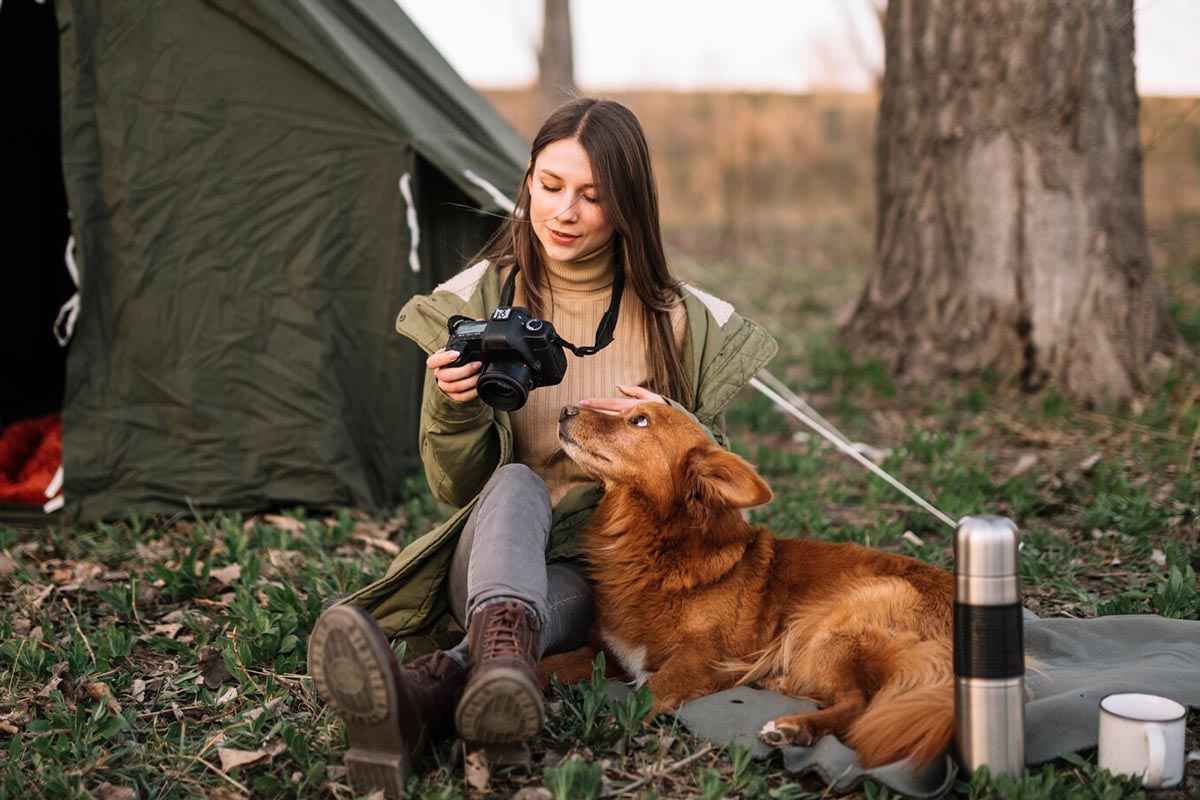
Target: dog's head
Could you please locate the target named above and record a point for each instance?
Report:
(660, 453)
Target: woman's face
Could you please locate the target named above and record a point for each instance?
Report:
(564, 207)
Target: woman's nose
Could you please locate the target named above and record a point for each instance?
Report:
(569, 213)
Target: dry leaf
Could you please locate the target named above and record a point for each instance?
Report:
(213, 671)
(87, 577)
(106, 791)
(228, 696)
(232, 758)
(169, 629)
(56, 677)
(272, 707)
(41, 598)
(1158, 557)
(1026, 462)
(533, 793)
(288, 524)
(100, 691)
(476, 770)
(1089, 463)
(274, 746)
(227, 575)
(386, 545)
(7, 565)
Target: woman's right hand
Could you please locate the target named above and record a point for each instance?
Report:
(457, 383)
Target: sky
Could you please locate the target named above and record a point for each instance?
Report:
(781, 45)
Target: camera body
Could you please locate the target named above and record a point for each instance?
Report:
(519, 353)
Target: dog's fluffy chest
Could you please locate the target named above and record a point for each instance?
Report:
(632, 657)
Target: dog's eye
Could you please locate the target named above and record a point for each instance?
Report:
(640, 421)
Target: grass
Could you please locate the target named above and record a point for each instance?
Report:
(142, 656)
(148, 658)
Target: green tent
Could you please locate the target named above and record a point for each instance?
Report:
(256, 187)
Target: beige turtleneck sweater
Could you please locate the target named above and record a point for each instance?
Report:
(578, 295)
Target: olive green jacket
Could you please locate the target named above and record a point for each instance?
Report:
(462, 444)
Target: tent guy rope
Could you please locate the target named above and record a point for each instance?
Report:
(838, 440)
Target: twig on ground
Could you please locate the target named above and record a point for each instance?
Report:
(234, 637)
(658, 773)
(79, 630)
(240, 787)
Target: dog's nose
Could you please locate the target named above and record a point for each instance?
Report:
(567, 412)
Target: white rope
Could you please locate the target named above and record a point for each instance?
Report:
(414, 231)
(55, 483)
(789, 401)
(54, 492)
(840, 442)
(65, 321)
(800, 403)
(497, 196)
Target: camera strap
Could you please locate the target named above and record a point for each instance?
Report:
(608, 322)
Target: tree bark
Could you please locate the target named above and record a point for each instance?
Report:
(1011, 233)
(556, 59)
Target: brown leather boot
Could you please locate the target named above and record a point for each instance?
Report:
(391, 712)
(502, 701)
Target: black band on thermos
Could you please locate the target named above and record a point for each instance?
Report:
(988, 641)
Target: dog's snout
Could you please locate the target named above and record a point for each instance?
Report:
(568, 412)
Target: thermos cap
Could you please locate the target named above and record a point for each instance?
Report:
(985, 547)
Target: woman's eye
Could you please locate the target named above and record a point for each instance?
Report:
(549, 188)
(592, 199)
(639, 421)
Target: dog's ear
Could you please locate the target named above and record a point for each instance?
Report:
(718, 477)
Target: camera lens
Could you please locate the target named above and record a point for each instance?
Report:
(504, 384)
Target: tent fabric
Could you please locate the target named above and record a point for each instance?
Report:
(233, 168)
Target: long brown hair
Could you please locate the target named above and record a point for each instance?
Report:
(620, 159)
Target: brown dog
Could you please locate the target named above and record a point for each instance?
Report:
(692, 600)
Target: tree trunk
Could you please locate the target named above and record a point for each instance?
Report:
(1011, 232)
(556, 60)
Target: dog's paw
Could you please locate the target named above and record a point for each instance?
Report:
(664, 704)
(778, 735)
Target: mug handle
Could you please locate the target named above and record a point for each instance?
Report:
(1156, 767)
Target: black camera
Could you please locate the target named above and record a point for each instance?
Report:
(519, 353)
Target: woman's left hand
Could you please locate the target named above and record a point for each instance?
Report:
(615, 405)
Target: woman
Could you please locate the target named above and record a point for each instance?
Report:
(505, 568)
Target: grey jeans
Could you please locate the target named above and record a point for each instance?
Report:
(502, 555)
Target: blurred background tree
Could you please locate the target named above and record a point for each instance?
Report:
(556, 58)
(1011, 233)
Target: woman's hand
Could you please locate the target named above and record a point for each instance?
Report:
(457, 383)
(615, 405)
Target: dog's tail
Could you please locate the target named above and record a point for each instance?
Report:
(912, 715)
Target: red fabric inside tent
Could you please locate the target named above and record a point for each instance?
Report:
(30, 455)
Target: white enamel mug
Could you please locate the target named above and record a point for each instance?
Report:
(1142, 735)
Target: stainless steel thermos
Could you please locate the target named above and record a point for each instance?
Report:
(989, 652)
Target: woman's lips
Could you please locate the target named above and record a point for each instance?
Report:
(562, 238)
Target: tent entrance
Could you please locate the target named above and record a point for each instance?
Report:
(34, 282)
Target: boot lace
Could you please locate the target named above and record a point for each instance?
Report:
(504, 633)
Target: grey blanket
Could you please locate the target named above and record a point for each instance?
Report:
(1080, 661)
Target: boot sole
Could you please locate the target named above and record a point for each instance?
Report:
(351, 668)
(504, 706)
